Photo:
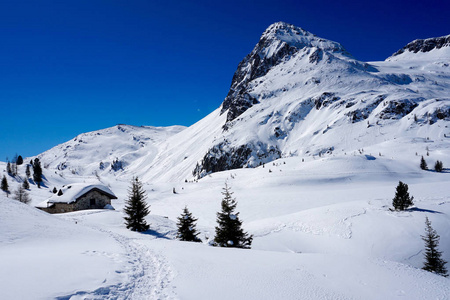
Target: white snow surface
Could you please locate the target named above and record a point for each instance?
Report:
(320, 215)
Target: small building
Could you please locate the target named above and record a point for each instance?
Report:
(78, 197)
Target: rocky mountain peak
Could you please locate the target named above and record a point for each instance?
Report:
(279, 43)
(297, 37)
(425, 45)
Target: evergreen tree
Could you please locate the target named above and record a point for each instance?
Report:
(37, 172)
(22, 195)
(433, 261)
(402, 200)
(229, 232)
(4, 185)
(14, 169)
(186, 227)
(26, 184)
(8, 168)
(136, 207)
(438, 166)
(19, 160)
(60, 193)
(54, 190)
(27, 171)
(423, 164)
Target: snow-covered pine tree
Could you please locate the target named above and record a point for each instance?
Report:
(433, 261)
(4, 185)
(37, 172)
(423, 164)
(26, 184)
(27, 171)
(402, 200)
(8, 168)
(229, 232)
(21, 195)
(136, 207)
(187, 230)
(438, 166)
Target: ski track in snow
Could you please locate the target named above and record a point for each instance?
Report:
(149, 275)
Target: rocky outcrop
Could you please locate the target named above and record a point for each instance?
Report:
(224, 157)
(277, 44)
(425, 45)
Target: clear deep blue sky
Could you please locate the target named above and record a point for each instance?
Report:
(68, 67)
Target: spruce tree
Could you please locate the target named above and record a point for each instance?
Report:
(21, 195)
(433, 261)
(27, 171)
(186, 227)
(438, 166)
(8, 168)
(37, 172)
(26, 184)
(4, 185)
(136, 207)
(402, 200)
(423, 164)
(229, 232)
(19, 160)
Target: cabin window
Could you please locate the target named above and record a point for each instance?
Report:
(92, 202)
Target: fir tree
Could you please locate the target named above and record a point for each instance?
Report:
(8, 168)
(54, 191)
(26, 184)
(14, 169)
(19, 160)
(37, 172)
(4, 185)
(27, 171)
(60, 193)
(423, 164)
(136, 208)
(402, 200)
(229, 232)
(186, 227)
(438, 166)
(433, 261)
(22, 195)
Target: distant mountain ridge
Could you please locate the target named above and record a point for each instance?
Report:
(425, 45)
(294, 94)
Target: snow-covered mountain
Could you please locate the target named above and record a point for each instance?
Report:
(295, 94)
(326, 139)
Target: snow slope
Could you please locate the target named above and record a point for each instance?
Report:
(322, 230)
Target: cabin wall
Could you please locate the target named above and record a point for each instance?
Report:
(100, 201)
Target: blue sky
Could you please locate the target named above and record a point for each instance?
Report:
(68, 67)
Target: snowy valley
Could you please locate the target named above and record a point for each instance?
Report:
(312, 142)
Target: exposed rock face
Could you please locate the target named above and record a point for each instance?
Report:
(425, 45)
(277, 44)
(226, 157)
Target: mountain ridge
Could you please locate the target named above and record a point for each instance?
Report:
(294, 101)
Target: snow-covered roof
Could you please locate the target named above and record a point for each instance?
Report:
(72, 192)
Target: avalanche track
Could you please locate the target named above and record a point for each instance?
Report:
(147, 273)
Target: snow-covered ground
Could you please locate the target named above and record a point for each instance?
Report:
(322, 230)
